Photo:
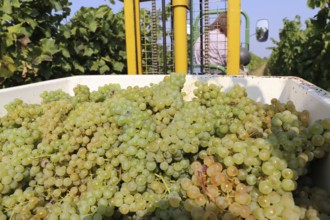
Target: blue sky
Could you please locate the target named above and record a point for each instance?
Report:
(273, 11)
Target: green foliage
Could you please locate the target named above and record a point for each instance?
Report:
(256, 62)
(27, 32)
(305, 52)
(316, 3)
(93, 42)
(37, 45)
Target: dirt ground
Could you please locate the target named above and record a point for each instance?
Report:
(259, 71)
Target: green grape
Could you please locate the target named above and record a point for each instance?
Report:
(318, 140)
(228, 161)
(288, 184)
(242, 174)
(251, 179)
(148, 152)
(264, 155)
(326, 136)
(268, 168)
(326, 123)
(174, 200)
(242, 198)
(290, 213)
(265, 186)
(288, 173)
(222, 152)
(276, 122)
(264, 201)
(270, 212)
(316, 128)
(238, 158)
(6, 180)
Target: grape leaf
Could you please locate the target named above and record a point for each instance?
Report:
(7, 7)
(118, 66)
(92, 26)
(104, 69)
(49, 46)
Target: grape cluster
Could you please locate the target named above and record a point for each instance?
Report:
(147, 153)
(213, 191)
(313, 202)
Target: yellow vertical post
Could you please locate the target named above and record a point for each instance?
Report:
(180, 36)
(130, 36)
(133, 39)
(233, 44)
(138, 36)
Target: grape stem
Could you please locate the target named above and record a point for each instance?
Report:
(164, 182)
(202, 181)
(13, 212)
(41, 156)
(12, 215)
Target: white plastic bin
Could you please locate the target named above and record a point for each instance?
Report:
(305, 95)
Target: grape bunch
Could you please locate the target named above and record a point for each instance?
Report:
(313, 202)
(148, 153)
(213, 191)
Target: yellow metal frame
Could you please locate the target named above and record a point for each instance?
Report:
(133, 39)
(180, 36)
(233, 37)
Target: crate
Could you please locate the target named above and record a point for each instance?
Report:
(305, 96)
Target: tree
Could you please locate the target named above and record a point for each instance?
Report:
(305, 52)
(93, 42)
(28, 30)
(36, 44)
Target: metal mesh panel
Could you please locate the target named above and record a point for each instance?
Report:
(205, 45)
(156, 37)
(157, 45)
